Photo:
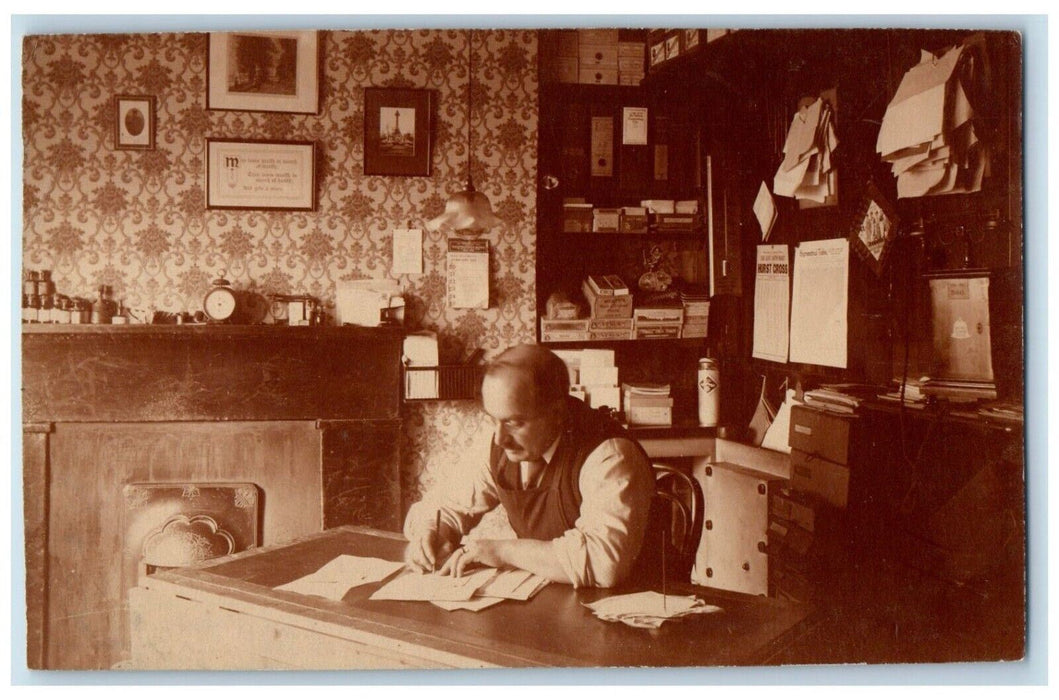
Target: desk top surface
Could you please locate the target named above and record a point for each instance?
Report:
(553, 629)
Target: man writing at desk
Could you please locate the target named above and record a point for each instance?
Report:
(576, 488)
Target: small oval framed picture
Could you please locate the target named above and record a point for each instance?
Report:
(134, 122)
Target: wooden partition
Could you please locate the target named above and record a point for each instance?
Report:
(309, 415)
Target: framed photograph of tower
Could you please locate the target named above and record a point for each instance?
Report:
(397, 131)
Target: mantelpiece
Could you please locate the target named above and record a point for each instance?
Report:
(311, 415)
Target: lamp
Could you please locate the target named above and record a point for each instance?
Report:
(467, 211)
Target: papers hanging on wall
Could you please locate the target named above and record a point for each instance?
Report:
(765, 211)
(467, 273)
(807, 171)
(819, 303)
(928, 132)
(772, 295)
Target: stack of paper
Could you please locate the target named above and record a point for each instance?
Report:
(507, 585)
(807, 171)
(474, 591)
(648, 609)
(647, 404)
(334, 579)
(928, 134)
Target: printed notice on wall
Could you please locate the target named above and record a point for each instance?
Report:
(818, 307)
(407, 251)
(772, 295)
(467, 273)
(634, 126)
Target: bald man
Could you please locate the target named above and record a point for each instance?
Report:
(577, 489)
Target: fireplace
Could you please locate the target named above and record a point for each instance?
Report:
(306, 417)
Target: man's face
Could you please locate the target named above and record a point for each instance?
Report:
(523, 430)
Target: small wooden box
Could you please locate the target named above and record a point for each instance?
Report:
(606, 220)
(577, 219)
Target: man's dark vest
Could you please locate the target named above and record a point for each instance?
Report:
(551, 508)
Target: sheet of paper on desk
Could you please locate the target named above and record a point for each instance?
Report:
(433, 587)
(514, 584)
(648, 609)
(334, 579)
(474, 604)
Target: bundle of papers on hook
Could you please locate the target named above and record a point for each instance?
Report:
(928, 132)
(648, 609)
(807, 171)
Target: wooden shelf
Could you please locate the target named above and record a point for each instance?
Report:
(639, 342)
(583, 236)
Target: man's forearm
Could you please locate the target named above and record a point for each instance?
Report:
(537, 556)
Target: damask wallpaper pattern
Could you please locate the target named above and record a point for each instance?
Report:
(136, 220)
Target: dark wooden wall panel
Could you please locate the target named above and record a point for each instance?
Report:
(35, 511)
(89, 574)
(142, 373)
(362, 484)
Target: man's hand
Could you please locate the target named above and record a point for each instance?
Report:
(426, 552)
(471, 555)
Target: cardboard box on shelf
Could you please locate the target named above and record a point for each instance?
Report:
(616, 306)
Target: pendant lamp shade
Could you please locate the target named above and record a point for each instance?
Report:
(467, 211)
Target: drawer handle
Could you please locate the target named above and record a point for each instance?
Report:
(803, 429)
(599, 56)
(803, 471)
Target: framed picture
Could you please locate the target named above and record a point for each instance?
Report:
(264, 71)
(874, 227)
(397, 131)
(244, 174)
(134, 122)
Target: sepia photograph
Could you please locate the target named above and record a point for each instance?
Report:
(134, 122)
(397, 131)
(264, 71)
(749, 389)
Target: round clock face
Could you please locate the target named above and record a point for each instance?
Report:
(219, 304)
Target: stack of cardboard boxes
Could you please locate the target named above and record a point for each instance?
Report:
(610, 307)
(592, 57)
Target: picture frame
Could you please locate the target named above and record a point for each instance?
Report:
(134, 122)
(264, 71)
(260, 174)
(396, 142)
(874, 228)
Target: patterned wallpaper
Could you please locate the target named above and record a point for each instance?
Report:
(136, 219)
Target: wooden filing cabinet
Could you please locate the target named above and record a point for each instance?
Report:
(820, 450)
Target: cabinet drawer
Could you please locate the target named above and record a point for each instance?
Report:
(598, 76)
(820, 477)
(821, 434)
(598, 55)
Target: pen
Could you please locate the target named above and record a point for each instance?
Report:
(437, 532)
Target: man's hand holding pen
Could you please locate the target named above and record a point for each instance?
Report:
(430, 550)
(470, 556)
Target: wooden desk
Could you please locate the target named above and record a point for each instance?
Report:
(226, 615)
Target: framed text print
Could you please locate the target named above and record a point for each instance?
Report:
(242, 174)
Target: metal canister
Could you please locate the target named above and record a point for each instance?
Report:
(29, 286)
(709, 383)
